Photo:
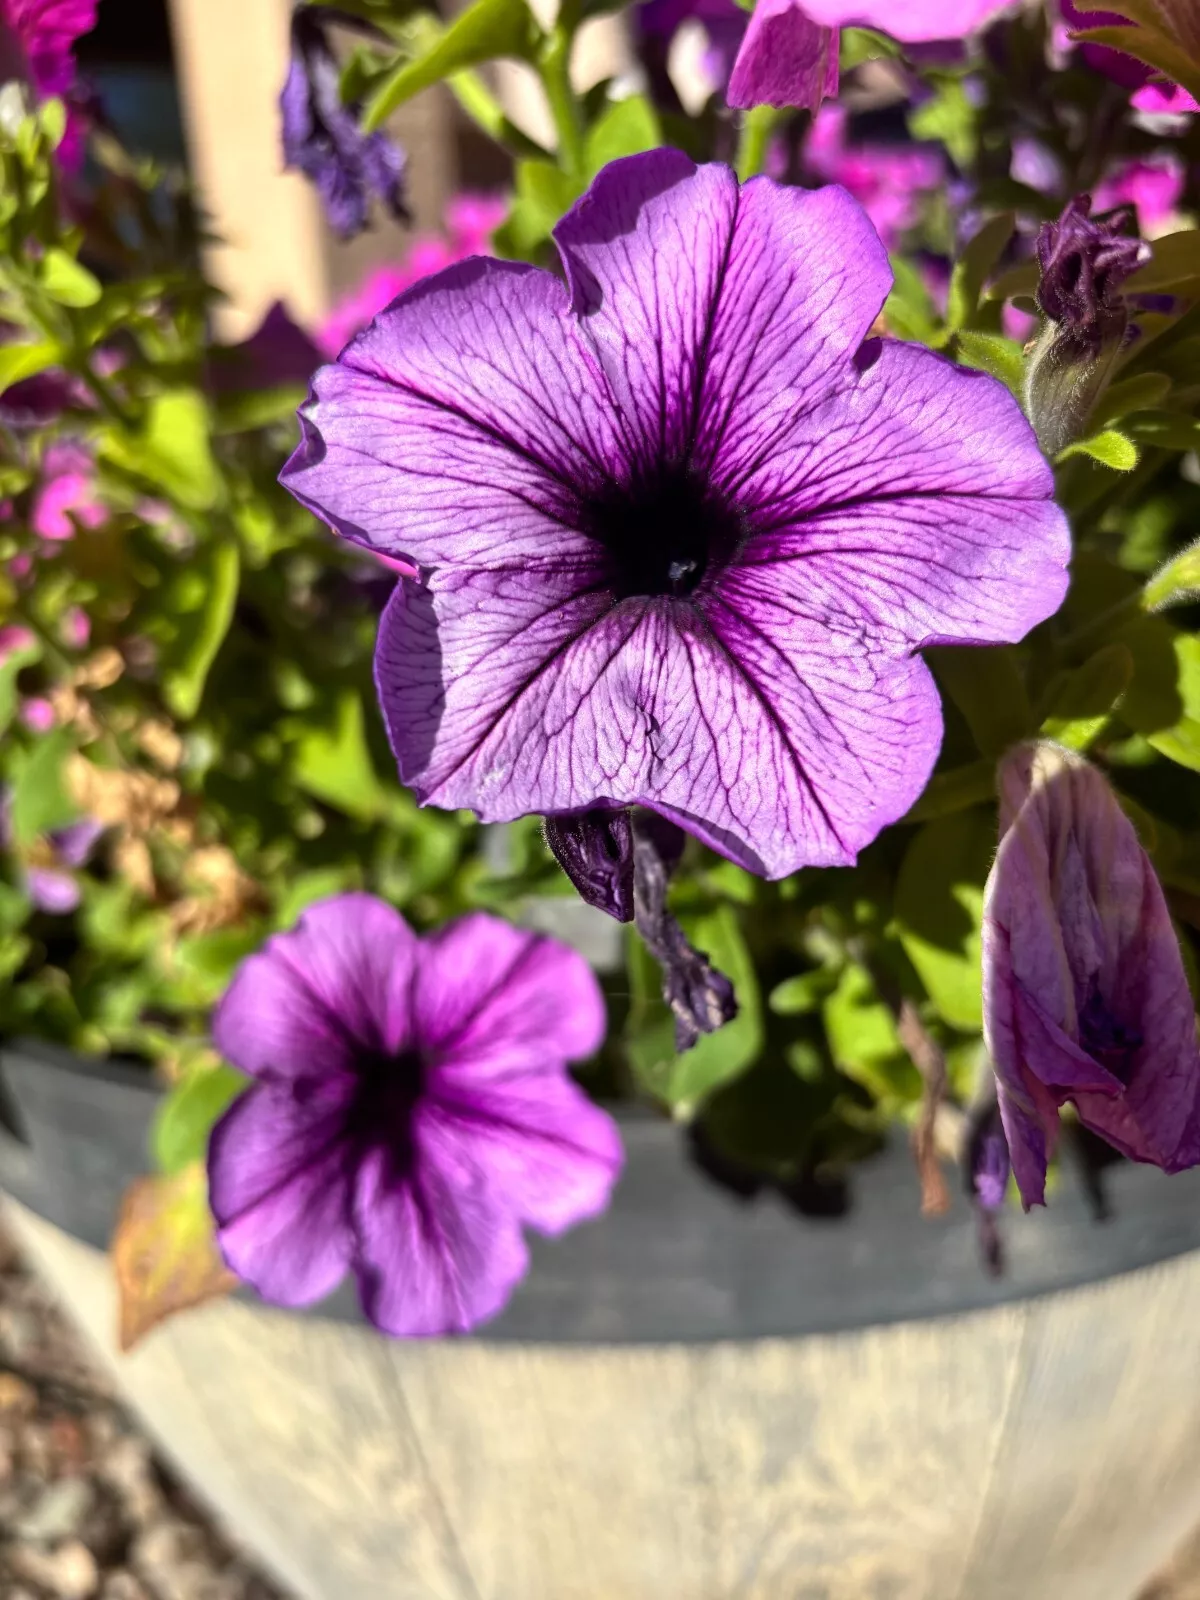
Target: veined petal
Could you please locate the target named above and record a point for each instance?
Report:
(917, 502)
(312, 999)
(435, 1252)
(716, 313)
(461, 426)
(486, 992)
(279, 1187)
(547, 1152)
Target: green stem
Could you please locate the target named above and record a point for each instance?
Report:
(554, 66)
(754, 139)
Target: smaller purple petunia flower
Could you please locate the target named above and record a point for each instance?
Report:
(411, 1110)
(48, 868)
(1084, 993)
(321, 135)
(682, 525)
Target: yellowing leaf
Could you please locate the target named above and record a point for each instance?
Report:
(163, 1252)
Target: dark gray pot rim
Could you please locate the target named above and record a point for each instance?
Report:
(676, 1257)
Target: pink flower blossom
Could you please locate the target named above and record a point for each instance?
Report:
(67, 493)
(38, 714)
(470, 221)
(1154, 188)
(75, 627)
(14, 638)
(887, 181)
(1164, 99)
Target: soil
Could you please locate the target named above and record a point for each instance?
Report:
(86, 1510)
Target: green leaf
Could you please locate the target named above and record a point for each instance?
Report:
(334, 763)
(164, 1254)
(797, 996)
(682, 1080)
(909, 310)
(939, 909)
(626, 128)
(1150, 46)
(173, 450)
(988, 688)
(993, 353)
(1110, 448)
(862, 44)
(39, 800)
(949, 116)
(185, 1116)
(1163, 700)
(1176, 584)
(307, 888)
(1174, 264)
(1164, 430)
(200, 602)
(9, 669)
(20, 361)
(1019, 282)
(206, 962)
(485, 31)
(1079, 704)
(1139, 393)
(974, 267)
(863, 1041)
(66, 282)
(954, 790)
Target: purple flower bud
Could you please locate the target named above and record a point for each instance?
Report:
(322, 137)
(1084, 262)
(988, 1168)
(1085, 996)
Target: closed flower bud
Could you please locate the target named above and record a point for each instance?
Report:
(1084, 263)
(1085, 996)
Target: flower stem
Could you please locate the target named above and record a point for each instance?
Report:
(754, 139)
(554, 65)
(486, 112)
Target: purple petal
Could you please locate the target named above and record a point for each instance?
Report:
(920, 506)
(307, 1003)
(278, 1175)
(75, 843)
(913, 21)
(435, 1253)
(54, 892)
(785, 59)
(456, 428)
(547, 1153)
(780, 288)
(486, 991)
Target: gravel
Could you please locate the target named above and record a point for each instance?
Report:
(86, 1511)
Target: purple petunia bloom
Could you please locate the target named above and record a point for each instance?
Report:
(411, 1109)
(48, 870)
(322, 137)
(1084, 993)
(681, 530)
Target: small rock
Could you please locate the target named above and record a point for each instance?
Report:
(17, 1399)
(69, 1573)
(126, 1469)
(123, 1586)
(58, 1511)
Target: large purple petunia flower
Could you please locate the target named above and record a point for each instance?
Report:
(411, 1109)
(681, 531)
(1085, 997)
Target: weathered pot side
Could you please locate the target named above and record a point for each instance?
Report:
(691, 1399)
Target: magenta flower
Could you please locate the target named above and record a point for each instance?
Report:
(789, 56)
(1085, 996)
(411, 1109)
(1153, 188)
(888, 181)
(1164, 99)
(66, 496)
(37, 43)
(681, 531)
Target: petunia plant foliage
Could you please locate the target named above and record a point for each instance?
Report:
(713, 635)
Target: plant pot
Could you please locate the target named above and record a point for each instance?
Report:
(691, 1397)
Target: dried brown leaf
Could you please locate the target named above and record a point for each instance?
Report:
(163, 1252)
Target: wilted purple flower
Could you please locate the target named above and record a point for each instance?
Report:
(322, 137)
(411, 1110)
(786, 59)
(681, 530)
(1084, 993)
(988, 1170)
(621, 862)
